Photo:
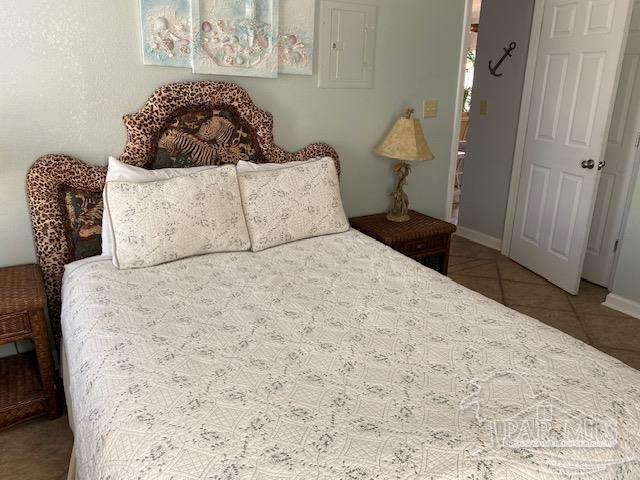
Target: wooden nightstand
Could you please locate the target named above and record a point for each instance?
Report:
(423, 238)
(27, 386)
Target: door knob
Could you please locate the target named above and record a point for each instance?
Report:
(589, 164)
(601, 165)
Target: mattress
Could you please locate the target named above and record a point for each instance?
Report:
(330, 358)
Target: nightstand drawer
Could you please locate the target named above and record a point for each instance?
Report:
(424, 246)
(14, 324)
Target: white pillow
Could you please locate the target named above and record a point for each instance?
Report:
(121, 172)
(292, 203)
(244, 166)
(162, 221)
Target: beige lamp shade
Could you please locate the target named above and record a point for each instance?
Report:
(405, 141)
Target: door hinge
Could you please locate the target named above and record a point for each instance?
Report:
(615, 246)
(638, 140)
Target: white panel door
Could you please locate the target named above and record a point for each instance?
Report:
(622, 149)
(576, 72)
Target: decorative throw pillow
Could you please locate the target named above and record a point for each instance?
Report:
(204, 136)
(121, 172)
(244, 167)
(84, 216)
(292, 203)
(162, 221)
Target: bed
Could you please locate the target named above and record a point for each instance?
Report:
(333, 357)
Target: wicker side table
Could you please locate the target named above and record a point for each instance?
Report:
(423, 238)
(27, 386)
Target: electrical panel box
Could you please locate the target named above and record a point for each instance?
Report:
(347, 44)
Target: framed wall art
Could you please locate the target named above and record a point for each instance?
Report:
(258, 38)
(166, 32)
(297, 20)
(235, 37)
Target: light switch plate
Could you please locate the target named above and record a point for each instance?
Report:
(483, 107)
(430, 109)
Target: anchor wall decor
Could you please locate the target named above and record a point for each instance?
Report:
(507, 53)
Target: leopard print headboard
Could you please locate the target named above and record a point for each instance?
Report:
(181, 125)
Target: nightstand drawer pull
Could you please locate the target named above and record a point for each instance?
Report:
(14, 324)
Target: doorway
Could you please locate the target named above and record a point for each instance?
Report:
(531, 191)
(494, 66)
(621, 167)
(469, 73)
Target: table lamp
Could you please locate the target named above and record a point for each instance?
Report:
(404, 142)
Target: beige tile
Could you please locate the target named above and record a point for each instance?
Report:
(590, 292)
(510, 270)
(455, 238)
(458, 260)
(630, 358)
(613, 332)
(564, 321)
(465, 248)
(458, 242)
(532, 295)
(476, 268)
(486, 286)
(589, 301)
(41, 446)
(488, 270)
(592, 308)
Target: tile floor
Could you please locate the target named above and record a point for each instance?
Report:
(582, 316)
(36, 450)
(40, 449)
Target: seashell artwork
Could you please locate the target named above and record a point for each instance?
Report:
(297, 19)
(256, 38)
(166, 32)
(236, 37)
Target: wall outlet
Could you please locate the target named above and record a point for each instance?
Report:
(483, 107)
(430, 109)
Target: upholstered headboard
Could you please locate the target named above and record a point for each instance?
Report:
(181, 125)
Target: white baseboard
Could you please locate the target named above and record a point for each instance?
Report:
(479, 237)
(624, 305)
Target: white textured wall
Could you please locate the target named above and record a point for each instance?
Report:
(71, 69)
(492, 137)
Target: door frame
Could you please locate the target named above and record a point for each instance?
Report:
(457, 115)
(525, 104)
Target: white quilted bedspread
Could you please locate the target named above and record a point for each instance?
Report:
(331, 358)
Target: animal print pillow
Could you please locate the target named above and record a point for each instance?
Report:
(206, 136)
(83, 222)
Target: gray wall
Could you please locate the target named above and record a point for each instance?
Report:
(491, 139)
(71, 69)
(626, 282)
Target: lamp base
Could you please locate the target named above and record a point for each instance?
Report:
(400, 206)
(398, 217)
